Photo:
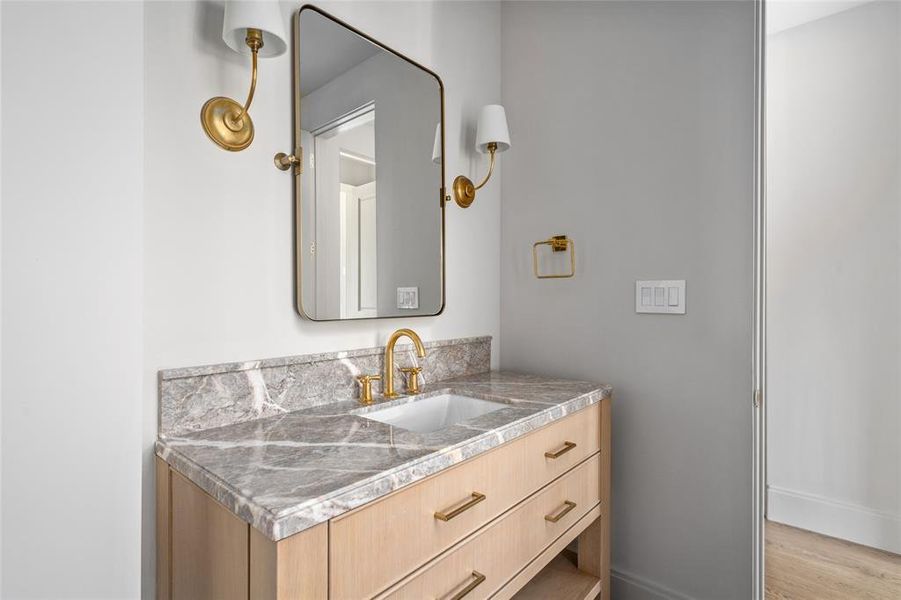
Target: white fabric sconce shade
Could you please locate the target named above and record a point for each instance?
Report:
(492, 128)
(241, 15)
(436, 147)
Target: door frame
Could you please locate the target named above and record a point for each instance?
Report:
(351, 252)
(758, 393)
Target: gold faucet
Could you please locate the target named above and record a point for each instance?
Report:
(388, 391)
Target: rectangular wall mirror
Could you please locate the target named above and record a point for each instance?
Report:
(369, 200)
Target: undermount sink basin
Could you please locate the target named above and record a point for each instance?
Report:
(434, 413)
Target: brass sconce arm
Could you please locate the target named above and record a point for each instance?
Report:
(492, 150)
(255, 43)
(225, 121)
(464, 189)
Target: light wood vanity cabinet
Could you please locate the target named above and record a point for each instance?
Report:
(509, 543)
(493, 526)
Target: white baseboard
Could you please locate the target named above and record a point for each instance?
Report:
(629, 586)
(842, 520)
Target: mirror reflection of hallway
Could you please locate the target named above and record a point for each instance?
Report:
(366, 116)
(833, 300)
(345, 213)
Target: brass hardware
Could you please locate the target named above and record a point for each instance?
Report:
(475, 498)
(558, 243)
(388, 389)
(225, 121)
(567, 446)
(283, 161)
(477, 579)
(366, 387)
(568, 506)
(465, 190)
(412, 374)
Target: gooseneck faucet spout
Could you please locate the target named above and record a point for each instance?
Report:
(388, 379)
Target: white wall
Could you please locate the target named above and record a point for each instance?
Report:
(834, 275)
(218, 226)
(71, 280)
(632, 130)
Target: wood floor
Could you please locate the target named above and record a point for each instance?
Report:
(801, 565)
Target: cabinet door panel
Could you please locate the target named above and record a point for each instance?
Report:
(209, 546)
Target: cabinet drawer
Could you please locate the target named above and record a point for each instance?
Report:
(483, 564)
(384, 541)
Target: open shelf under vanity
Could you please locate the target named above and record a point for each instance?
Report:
(561, 579)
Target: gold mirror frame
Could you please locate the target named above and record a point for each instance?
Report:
(288, 161)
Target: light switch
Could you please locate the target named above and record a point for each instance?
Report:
(660, 297)
(408, 297)
(673, 298)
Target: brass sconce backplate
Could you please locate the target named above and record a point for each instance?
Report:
(464, 191)
(217, 117)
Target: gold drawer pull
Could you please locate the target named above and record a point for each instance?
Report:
(477, 579)
(476, 498)
(567, 446)
(554, 518)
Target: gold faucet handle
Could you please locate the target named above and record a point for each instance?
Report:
(366, 387)
(412, 374)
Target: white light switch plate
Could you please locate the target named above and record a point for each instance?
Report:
(408, 297)
(663, 296)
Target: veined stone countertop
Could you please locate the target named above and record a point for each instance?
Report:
(286, 473)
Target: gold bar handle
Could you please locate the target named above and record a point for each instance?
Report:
(568, 506)
(447, 516)
(477, 579)
(567, 446)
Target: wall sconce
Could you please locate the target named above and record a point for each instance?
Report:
(492, 136)
(254, 28)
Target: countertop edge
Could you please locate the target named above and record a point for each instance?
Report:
(279, 526)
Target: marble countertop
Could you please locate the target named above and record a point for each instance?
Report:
(287, 473)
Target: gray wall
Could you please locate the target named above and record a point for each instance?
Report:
(632, 127)
(834, 275)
